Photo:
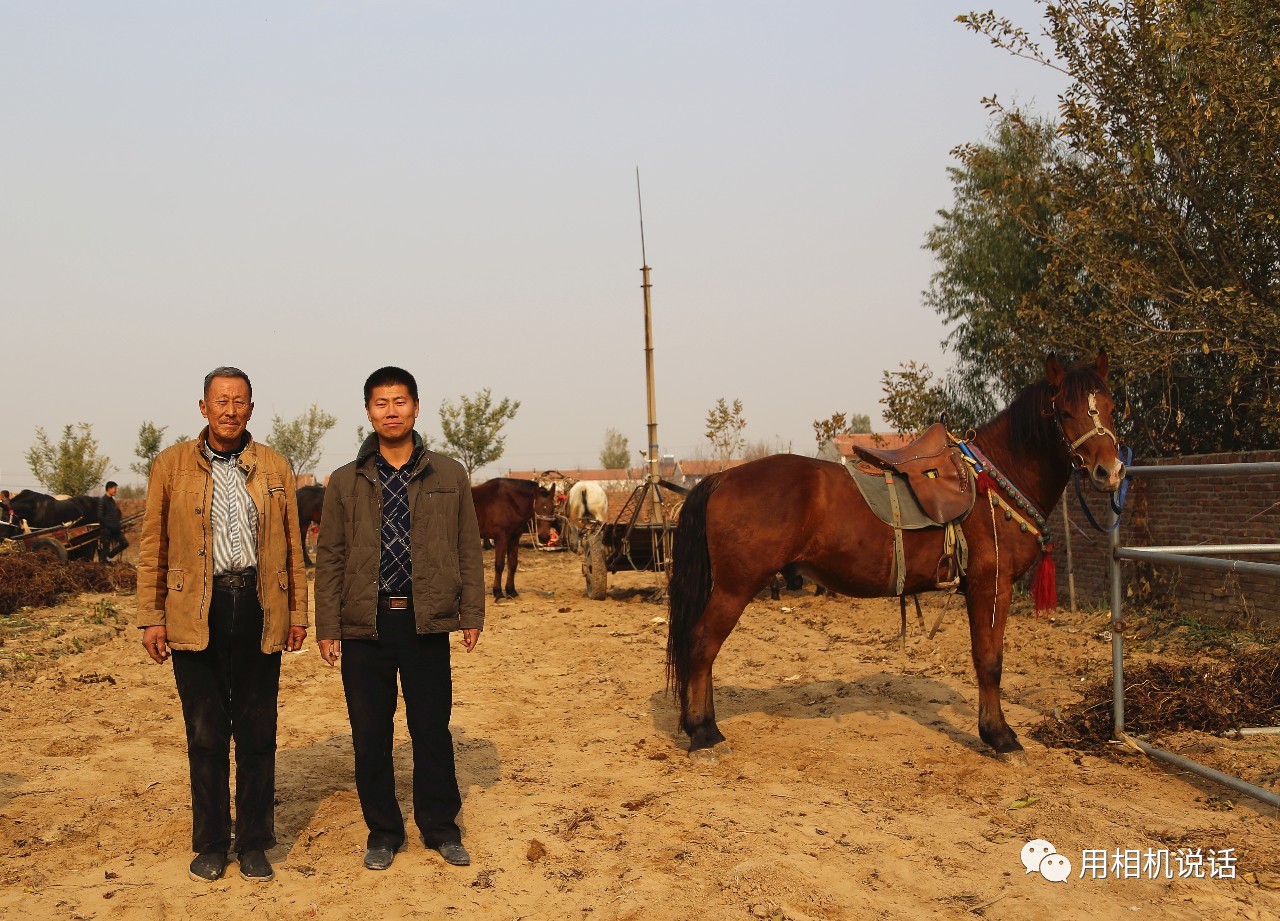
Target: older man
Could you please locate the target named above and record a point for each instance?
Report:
(221, 585)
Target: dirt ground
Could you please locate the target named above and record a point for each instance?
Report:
(857, 787)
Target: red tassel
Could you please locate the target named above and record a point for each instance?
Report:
(986, 483)
(1044, 584)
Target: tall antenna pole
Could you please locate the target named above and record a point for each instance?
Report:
(654, 457)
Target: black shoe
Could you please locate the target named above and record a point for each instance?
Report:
(453, 852)
(208, 867)
(255, 866)
(379, 858)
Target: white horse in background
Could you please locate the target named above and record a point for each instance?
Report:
(587, 504)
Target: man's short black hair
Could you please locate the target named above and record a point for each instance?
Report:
(389, 377)
(228, 371)
(110, 483)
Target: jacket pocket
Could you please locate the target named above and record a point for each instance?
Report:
(173, 580)
(282, 579)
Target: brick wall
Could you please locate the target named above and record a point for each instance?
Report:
(1172, 509)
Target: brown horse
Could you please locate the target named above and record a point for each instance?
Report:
(504, 507)
(310, 507)
(741, 526)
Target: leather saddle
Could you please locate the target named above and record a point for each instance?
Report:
(935, 471)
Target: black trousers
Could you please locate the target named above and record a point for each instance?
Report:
(369, 669)
(229, 690)
(111, 542)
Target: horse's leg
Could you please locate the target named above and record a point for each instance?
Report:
(699, 710)
(499, 559)
(303, 527)
(513, 558)
(988, 604)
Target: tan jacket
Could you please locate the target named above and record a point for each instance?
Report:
(175, 558)
(448, 565)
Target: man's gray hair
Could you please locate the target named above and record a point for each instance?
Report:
(228, 371)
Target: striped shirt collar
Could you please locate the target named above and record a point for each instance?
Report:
(233, 515)
(210, 453)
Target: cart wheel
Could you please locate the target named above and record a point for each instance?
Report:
(49, 547)
(594, 566)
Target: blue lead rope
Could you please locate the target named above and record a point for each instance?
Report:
(965, 449)
(1117, 499)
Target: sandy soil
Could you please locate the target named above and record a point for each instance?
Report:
(857, 787)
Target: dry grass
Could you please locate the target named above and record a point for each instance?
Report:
(34, 580)
(1165, 697)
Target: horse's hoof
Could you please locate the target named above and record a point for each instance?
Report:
(704, 755)
(722, 749)
(1015, 758)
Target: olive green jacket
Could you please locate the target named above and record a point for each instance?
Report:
(448, 566)
(175, 555)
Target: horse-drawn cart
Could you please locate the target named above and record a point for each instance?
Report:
(62, 541)
(638, 540)
(68, 541)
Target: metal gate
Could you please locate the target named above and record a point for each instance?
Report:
(1202, 556)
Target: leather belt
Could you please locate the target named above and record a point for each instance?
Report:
(234, 580)
(395, 602)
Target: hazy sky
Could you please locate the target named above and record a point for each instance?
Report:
(311, 190)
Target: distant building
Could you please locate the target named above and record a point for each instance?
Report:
(617, 479)
(691, 472)
(890, 440)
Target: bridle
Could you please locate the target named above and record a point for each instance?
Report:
(1077, 459)
(534, 523)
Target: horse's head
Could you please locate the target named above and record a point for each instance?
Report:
(29, 504)
(1081, 406)
(544, 511)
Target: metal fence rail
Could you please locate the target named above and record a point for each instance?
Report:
(1192, 558)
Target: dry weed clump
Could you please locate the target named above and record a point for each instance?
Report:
(35, 580)
(1163, 697)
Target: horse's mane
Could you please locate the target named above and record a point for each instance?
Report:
(522, 487)
(1030, 430)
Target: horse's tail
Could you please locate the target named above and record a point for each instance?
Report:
(690, 587)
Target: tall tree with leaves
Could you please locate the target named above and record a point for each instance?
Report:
(299, 439)
(472, 428)
(1165, 245)
(614, 455)
(913, 400)
(150, 440)
(725, 423)
(71, 467)
(991, 264)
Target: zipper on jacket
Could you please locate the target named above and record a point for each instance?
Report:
(262, 529)
(376, 484)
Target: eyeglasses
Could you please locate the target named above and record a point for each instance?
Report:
(220, 405)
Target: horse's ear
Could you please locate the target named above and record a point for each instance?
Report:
(1053, 371)
(1100, 365)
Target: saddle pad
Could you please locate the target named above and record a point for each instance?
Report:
(875, 491)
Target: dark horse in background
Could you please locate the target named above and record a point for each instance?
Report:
(10, 524)
(739, 527)
(43, 511)
(504, 507)
(310, 505)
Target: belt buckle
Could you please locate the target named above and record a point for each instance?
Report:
(398, 602)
